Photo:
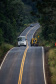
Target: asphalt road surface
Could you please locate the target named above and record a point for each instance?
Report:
(23, 65)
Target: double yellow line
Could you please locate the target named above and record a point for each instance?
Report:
(22, 65)
(23, 61)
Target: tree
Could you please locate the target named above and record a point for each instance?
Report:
(47, 12)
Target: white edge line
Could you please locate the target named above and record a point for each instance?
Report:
(5, 58)
(44, 65)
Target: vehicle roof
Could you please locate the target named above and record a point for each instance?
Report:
(21, 36)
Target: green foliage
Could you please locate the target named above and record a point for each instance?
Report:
(47, 12)
(52, 64)
(3, 49)
(42, 42)
(13, 15)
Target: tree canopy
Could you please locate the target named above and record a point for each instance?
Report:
(13, 15)
(47, 18)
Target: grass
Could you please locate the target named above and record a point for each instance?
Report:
(3, 49)
(52, 64)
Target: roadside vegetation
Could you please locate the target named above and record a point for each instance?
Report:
(47, 18)
(14, 17)
(52, 64)
(42, 41)
(47, 32)
(3, 49)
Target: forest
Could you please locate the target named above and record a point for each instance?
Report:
(47, 18)
(14, 17)
(16, 14)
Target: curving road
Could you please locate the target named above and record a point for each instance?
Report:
(23, 65)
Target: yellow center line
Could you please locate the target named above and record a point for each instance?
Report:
(22, 66)
(23, 61)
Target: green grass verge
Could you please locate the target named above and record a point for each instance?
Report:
(3, 49)
(52, 64)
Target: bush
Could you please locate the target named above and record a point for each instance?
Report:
(4, 48)
(52, 64)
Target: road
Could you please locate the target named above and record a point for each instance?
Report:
(23, 65)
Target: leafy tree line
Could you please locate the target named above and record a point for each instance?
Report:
(13, 15)
(47, 18)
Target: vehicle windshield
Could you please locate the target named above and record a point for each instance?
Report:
(21, 39)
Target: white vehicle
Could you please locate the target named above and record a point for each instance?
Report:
(22, 41)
